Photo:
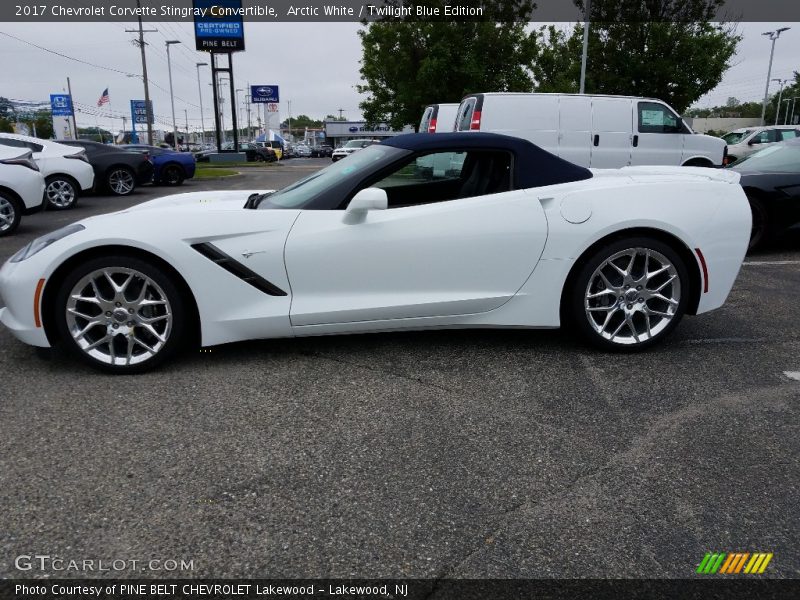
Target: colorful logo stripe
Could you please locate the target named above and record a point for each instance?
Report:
(731, 563)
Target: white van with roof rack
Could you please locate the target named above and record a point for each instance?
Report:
(593, 130)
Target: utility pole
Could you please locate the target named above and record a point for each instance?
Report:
(341, 110)
(142, 44)
(72, 109)
(772, 35)
(200, 91)
(186, 116)
(172, 96)
(780, 95)
(585, 54)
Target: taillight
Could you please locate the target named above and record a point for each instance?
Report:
(22, 162)
(475, 124)
(79, 156)
(432, 126)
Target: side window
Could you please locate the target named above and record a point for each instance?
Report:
(426, 120)
(788, 134)
(465, 114)
(657, 118)
(442, 176)
(764, 137)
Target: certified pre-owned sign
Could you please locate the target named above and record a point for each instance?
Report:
(264, 94)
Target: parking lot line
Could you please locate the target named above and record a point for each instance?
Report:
(792, 375)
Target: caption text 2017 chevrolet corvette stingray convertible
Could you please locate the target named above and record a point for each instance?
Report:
(422, 231)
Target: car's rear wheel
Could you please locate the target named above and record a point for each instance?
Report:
(761, 226)
(629, 294)
(121, 181)
(61, 192)
(120, 314)
(10, 214)
(172, 175)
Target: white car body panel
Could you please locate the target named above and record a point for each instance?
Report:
(492, 261)
(26, 183)
(51, 159)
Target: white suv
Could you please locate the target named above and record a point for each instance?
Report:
(21, 187)
(350, 147)
(746, 140)
(66, 170)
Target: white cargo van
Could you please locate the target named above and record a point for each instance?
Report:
(593, 131)
(438, 118)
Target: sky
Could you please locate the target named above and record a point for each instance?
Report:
(315, 64)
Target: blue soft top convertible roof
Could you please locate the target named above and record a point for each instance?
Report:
(533, 167)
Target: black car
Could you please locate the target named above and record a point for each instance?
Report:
(321, 151)
(771, 180)
(115, 170)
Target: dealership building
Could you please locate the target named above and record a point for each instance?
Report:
(340, 132)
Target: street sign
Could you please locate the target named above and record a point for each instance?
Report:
(139, 112)
(221, 29)
(264, 94)
(61, 105)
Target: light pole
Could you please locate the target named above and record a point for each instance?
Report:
(238, 108)
(782, 82)
(172, 96)
(200, 91)
(585, 53)
(773, 36)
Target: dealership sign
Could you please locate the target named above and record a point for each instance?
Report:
(139, 112)
(218, 26)
(61, 105)
(264, 94)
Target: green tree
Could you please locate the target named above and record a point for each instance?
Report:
(408, 64)
(657, 48)
(5, 126)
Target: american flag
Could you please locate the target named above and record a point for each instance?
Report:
(104, 99)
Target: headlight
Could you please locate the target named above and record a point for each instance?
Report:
(43, 242)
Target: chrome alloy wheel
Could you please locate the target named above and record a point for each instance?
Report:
(632, 296)
(7, 214)
(121, 182)
(119, 316)
(60, 193)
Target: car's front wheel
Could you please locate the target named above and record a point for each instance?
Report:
(10, 214)
(629, 294)
(61, 192)
(760, 228)
(120, 314)
(121, 181)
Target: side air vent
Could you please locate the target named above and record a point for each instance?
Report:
(236, 268)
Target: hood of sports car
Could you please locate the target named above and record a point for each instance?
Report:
(210, 200)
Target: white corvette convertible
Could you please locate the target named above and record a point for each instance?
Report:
(424, 231)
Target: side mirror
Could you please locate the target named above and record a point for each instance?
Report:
(364, 201)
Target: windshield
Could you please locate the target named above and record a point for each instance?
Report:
(734, 137)
(354, 144)
(780, 158)
(302, 193)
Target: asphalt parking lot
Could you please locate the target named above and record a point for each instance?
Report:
(436, 454)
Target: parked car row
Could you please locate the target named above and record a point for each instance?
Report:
(65, 170)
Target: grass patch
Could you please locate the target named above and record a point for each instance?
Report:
(206, 173)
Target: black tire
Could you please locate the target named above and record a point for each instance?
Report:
(61, 192)
(612, 309)
(173, 333)
(260, 158)
(761, 226)
(10, 213)
(173, 175)
(121, 181)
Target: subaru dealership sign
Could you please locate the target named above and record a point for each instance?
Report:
(264, 94)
